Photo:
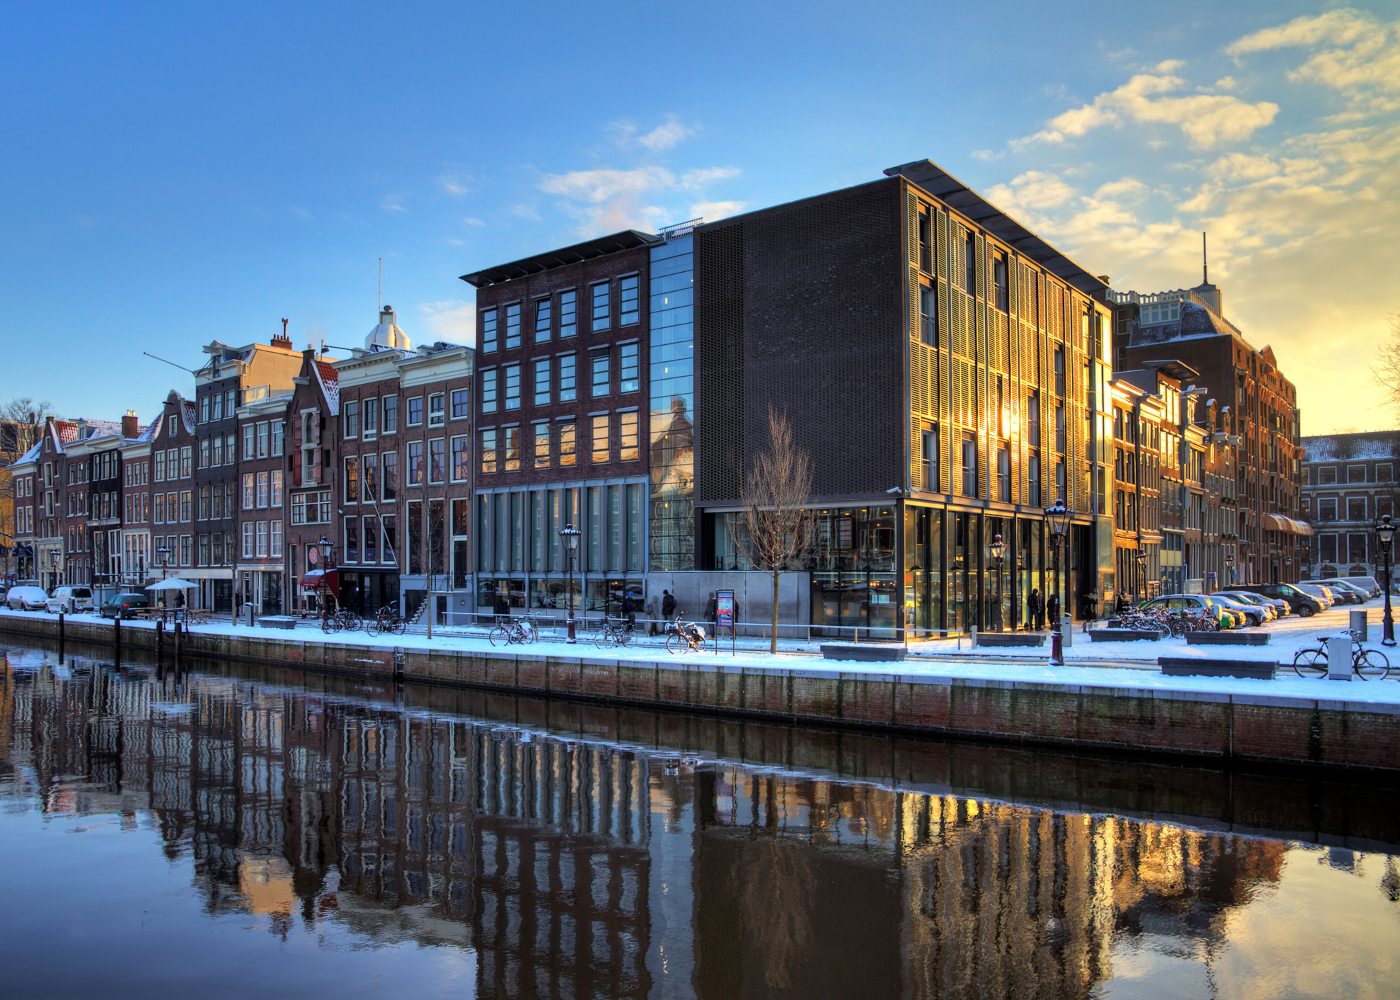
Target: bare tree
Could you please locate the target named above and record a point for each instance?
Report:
(1387, 367)
(24, 418)
(778, 519)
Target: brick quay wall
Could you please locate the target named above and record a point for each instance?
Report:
(1218, 726)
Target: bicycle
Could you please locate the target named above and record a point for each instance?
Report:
(684, 636)
(510, 632)
(341, 619)
(1368, 664)
(615, 632)
(386, 620)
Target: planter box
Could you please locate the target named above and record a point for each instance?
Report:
(1180, 666)
(277, 621)
(1227, 638)
(1124, 635)
(1006, 639)
(861, 651)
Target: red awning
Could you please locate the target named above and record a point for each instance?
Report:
(317, 578)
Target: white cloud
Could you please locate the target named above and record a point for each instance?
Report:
(394, 204)
(1206, 120)
(472, 220)
(1356, 55)
(712, 211)
(663, 138)
(457, 183)
(453, 320)
(1337, 26)
(702, 177)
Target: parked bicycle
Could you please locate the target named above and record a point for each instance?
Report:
(1368, 664)
(615, 632)
(683, 636)
(386, 620)
(341, 620)
(512, 631)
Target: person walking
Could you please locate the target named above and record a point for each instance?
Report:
(1035, 610)
(629, 610)
(1052, 607)
(712, 611)
(668, 605)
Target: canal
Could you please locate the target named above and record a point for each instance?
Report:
(224, 832)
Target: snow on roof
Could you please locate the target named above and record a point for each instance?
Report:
(189, 414)
(1361, 447)
(330, 385)
(32, 455)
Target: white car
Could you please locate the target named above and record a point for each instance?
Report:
(27, 599)
(71, 600)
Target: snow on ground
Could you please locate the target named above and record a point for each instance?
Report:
(1116, 665)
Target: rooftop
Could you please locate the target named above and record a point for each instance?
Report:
(628, 239)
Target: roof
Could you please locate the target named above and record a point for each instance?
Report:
(1357, 447)
(330, 385)
(628, 239)
(947, 188)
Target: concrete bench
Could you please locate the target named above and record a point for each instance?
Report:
(277, 621)
(1125, 635)
(1006, 639)
(1182, 666)
(1227, 638)
(861, 651)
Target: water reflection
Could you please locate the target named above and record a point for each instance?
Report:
(576, 865)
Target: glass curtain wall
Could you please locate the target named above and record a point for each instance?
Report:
(672, 447)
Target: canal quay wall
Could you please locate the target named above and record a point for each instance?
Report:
(1201, 724)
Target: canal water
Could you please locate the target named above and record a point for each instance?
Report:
(225, 832)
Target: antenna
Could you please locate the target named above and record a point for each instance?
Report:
(1205, 262)
(171, 363)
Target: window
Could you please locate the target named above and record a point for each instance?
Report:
(204, 454)
(1033, 419)
(351, 492)
(928, 316)
(369, 477)
(568, 442)
(568, 314)
(160, 468)
(512, 380)
(542, 371)
(263, 480)
(461, 459)
(1356, 508)
(415, 463)
(415, 411)
(1060, 372)
(602, 450)
(970, 257)
(436, 410)
(1000, 282)
(601, 373)
(263, 443)
(247, 539)
(969, 465)
(461, 404)
(276, 498)
(925, 242)
(274, 548)
(1004, 475)
(542, 444)
(187, 461)
(629, 367)
(630, 299)
(568, 379)
(350, 418)
(512, 325)
(186, 510)
(1060, 427)
(628, 435)
(1356, 473)
(250, 483)
(352, 540)
(204, 503)
(488, 390)
(512, 448)
(279, 438)
(544, 317)
(250, 448)
(437, 461)
(488, 450)
(391, 414)
(262, 540)
(1327, 509)
(204, 410)
(1384, 473)
(488, 337)
(389, 462)
(369, 412)
(601, 297)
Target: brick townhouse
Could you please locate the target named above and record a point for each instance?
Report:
(312, 489)
(1349, 485)
(138, 558)
(172, 488)
(260, 567)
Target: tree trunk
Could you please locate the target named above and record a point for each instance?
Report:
(773, 638)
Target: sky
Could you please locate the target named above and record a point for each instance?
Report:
(180, 173)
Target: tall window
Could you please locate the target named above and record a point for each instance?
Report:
(461, 408)
(628, 435)
(488, 335)
(1060, 372)
(461, 459)
(629, 365)
(602, 449)
(601, 381)
(414, 464)
(437, 461)
(928, 316)
(568, 442)
(1037, 497)
(249, 442)
(969, 465)
(391, 414)
(568, 314)
(601, 296)
(512, 325)
(488, 390)
(512, 448)
(925, 243)
(512, 380)
(568, 379)
(629, 291)
(437, 410)
(542, 381)
(1004, 475)
(544, 317)
(1000, 282)
(369, 411)
(928, 455)
(351, 420)
(970, 258)
(389, 462)
(351, 493)
(488, 450)
(541, 429)
(415, 411)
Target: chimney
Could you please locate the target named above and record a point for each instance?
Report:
(282, 340)
(131, 427)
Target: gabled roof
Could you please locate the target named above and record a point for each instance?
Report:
(329, 379)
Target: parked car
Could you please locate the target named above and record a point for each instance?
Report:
(1227, 617)
(1324, 596)
(1366, 583)
(27, 598)
(1340, 595)
(1362, 595)
(1254, 614)
(71, 600)
(1302, 604)
(123, 605)
(1277, 604)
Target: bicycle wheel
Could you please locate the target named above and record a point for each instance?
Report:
(675, 643)
(1371, 664)
(372, 625)
(330, 626)
(353, 622)
(500, 636)
(529, 631)
(624, 636)
(1310, 662)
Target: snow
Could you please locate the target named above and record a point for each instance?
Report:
(1119, 666)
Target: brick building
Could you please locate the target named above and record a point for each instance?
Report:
(138, 558)
(312, 487)
(260, 568)
(173, 449)
(948, 373)
(1349, 485)
(1256, 404)
(561, 414)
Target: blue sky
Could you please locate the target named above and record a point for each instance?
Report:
(179, 173)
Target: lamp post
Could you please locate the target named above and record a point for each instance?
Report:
(1140, 557)
(998, 553)
(53, 567)
(1229, 571)
(1057, 518)
(164, 554)
(569, 535)
(326, 552)
(1385, 534)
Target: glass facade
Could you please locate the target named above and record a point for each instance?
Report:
(672, 451)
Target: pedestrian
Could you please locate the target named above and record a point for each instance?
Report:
(501, 607)
(1035, 610)
(629, 610)
(712, 611)
(1053, 607)
(668, 605)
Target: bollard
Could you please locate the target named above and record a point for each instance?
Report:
(972, 634)
(1359, 626)
(117, 638)
(60, 627)
(1067, 630)
(1339, 658)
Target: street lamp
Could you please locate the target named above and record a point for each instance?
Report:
(569, 535)
(998, 552)
(164, 554)
(1385, 534)
(1140, 557)
(325, 549)
(1057, 518)
(53, 567)
(1229, 571)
